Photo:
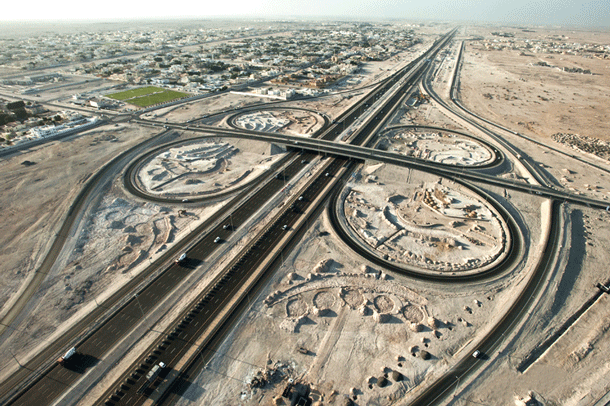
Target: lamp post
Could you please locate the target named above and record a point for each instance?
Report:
(139, 305)
(456, 385)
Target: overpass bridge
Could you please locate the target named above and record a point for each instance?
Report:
(341, 149)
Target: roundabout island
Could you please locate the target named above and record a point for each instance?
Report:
(201, 168)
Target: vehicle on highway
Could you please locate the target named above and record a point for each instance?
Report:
(217, 240)
(69, 354)
(151, 376)
(185, 200)
(226, 227)
(476, 354)
(303, 161)
(300, 197)
(155, 371)
(327, 174)
(181, 258)
(285, 227)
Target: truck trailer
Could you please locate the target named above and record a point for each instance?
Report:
(69, 354)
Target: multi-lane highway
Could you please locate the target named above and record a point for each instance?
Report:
(177, 340)
(55, 379)
(174, 343)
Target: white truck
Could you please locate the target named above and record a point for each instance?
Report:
(69, 354)
(151, 376)
(181, 258)
(154, 372)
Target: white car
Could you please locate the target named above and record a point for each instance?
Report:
(181, 258)
(476, 354)
(217, 240)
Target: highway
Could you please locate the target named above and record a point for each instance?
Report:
(171, 346)
(465, 367)
(55, 380)
(174, 343)
(88, 190)
(35, 382)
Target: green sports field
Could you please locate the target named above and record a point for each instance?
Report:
(164, 97)
(147, 96)
(141, 91)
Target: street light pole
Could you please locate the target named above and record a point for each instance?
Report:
(456, 385)
(139, 305)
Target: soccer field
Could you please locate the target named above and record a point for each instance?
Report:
(141, 91)
(147, 96)
(156, 98)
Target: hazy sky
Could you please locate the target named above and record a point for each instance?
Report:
(591, 13)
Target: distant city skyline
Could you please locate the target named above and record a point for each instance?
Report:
(543, 12)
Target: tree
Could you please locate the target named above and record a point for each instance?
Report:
(21, 114)
(15, 105)
(5, 118)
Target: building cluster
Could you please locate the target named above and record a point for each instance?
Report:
(72, 124)
(199, 60)
(33, 79)
(60, 49)
(296, 58)
(20, 121)
(551, 44)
